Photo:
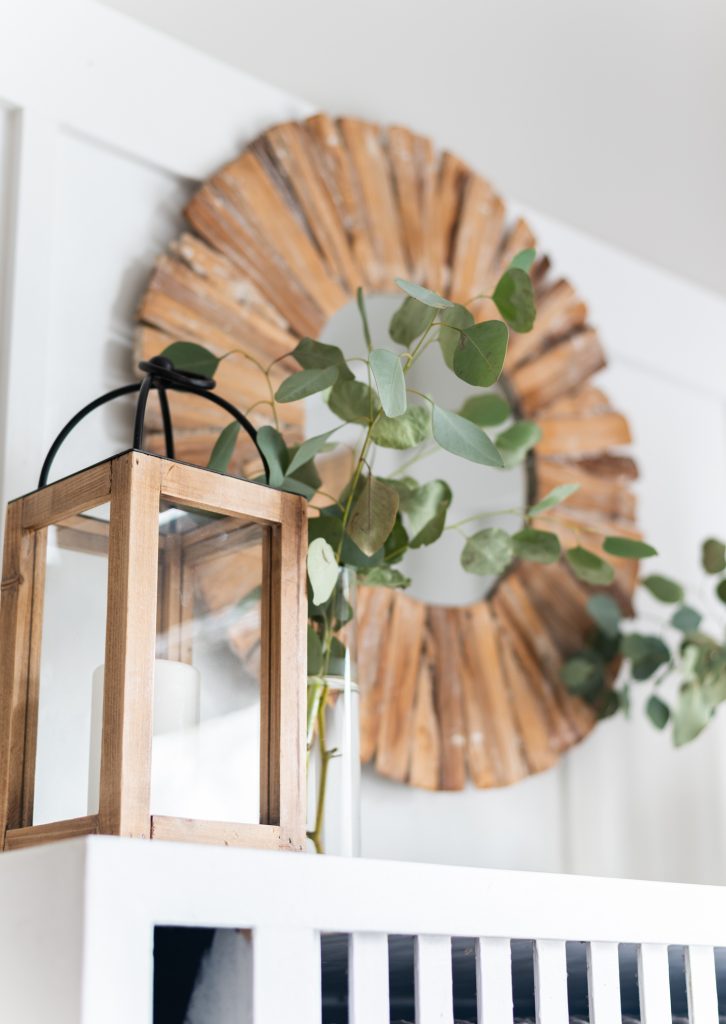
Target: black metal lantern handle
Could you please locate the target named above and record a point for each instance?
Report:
(160, 376)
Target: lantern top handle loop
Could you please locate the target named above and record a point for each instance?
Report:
(160, 375)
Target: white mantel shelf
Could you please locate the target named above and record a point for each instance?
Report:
(77, 921)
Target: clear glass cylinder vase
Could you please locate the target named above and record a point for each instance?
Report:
(334, 771)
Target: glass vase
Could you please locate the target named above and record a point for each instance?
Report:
(334, 770)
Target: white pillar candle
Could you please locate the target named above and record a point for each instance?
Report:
(177, 691)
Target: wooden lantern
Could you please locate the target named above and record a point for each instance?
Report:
(162, 529)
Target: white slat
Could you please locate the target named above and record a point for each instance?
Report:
(368, 1000)
(282, 976)
(550, 981)
(434, 983)
(701, 985)
(654, 983)
(603, 982)
(494, 981)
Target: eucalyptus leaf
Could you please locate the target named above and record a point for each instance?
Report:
(272, 445)
(514, 298)
(487, 552)
(524, 260)
(322, 570)
(191, 358)
(304, 480)
(316, 355)
(305, 383)
(373, 515)
(424, 295)
(403, 431)
(657, 711)
(353, 401)
(425, 511)
(454, 321)
(514, 442)
(646, 653)
(691, 714)
(605, 612)
(626, 547)
(686, 619)
(664, 589)
(583, 674)
(554, 497)
(410, 321)
(589, 567)
(479, 357)
(713, 556)
(224, 448)
(383, 576)
(721, 591)
(396, 545)
(536, 545)
(390, 382)
(308, 450)
(463, 438)
(486, 410)
(315, 653)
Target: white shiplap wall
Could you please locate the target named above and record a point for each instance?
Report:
(104, 129)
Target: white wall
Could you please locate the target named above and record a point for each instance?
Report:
(105, 128)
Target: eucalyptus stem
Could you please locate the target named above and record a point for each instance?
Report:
(265, 371)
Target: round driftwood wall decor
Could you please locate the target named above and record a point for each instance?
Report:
(279, 240)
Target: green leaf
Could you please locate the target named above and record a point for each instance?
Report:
(305, 480)
(425, 511)
(589, 567)
(488, 552)
(583, 674)
(454, 320)
(410, 321)
(192, 358)
(486, 410)
(514, 298)
(322, 570)
(403, 431)
(686, 619)
(306, 382)
(664, 589)
(315, 355)
(360, 300)
(315, 653)
(691, 714)
(605, 612)
(373, 516)
(460, 437)
(536, 545)
(657, 711)
(479, 357)
(272, 445)
(646, 653)
(524, 260)
(625, 547)
(514, 442)
(554, 497)
(388, 374)
(713, 556)
(421, 294)
(397, 544)
(721, 591)
(224, 448)
(353, 401)
(383, 576)
(308, 450)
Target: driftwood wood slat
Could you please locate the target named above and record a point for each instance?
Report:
(279, 239)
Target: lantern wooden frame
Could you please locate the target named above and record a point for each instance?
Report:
(135, 483)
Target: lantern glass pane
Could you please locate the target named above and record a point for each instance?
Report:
(209, 660)
(67, 767)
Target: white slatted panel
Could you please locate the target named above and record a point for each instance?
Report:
(550, 981)
(654, 983)
(283, 977)
(603, 982)
(701, 985)
(494, 981)
(434, 984)
(368, 999)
